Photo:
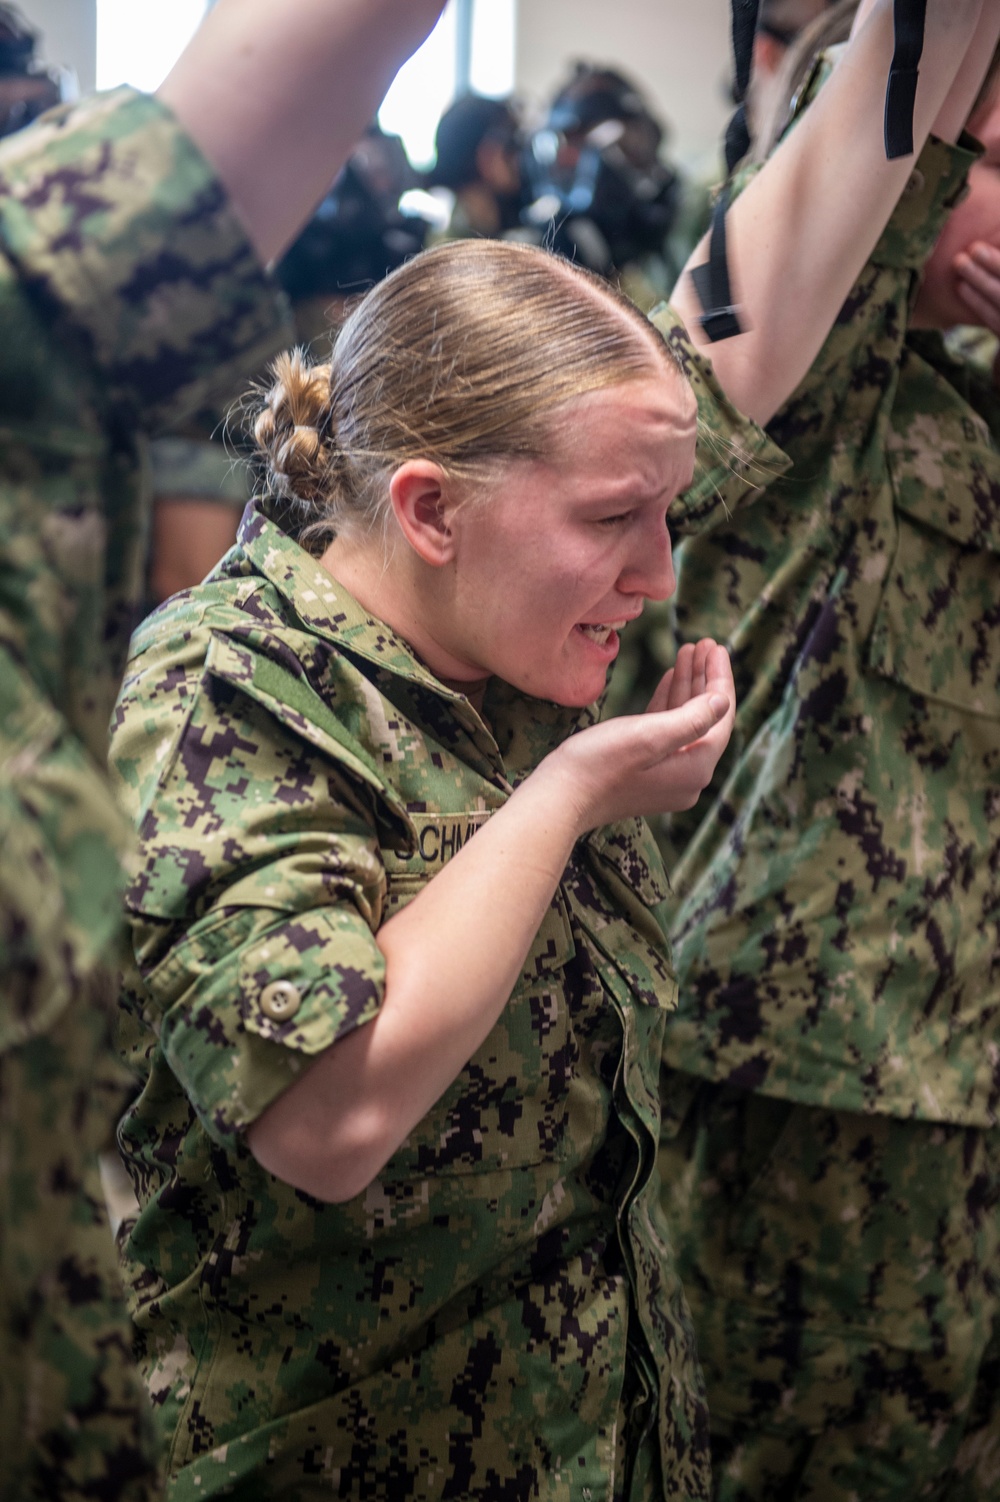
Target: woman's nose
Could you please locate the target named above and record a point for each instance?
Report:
(650, 569)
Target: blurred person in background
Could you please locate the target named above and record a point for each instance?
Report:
(133, 233)
(589, 183)
(357, 235)
(601, 191)
(478, 148)
(779, 22)
(27, 86)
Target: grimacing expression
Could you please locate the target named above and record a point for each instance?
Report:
(566, 551)
(977, 217)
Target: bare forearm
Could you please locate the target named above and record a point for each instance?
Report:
(805, 227)
(452, 956)
(277, 95)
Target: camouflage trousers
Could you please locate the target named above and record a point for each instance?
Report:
(843, 1273)
(74, 1419)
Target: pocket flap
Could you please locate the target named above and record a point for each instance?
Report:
(943, 462)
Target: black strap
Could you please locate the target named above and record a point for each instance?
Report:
(908, 18)
(711, 280)
(744, 28)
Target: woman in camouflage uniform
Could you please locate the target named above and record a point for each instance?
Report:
(400, 972)
(835, 1183)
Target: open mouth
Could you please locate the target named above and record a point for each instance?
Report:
(601, 632)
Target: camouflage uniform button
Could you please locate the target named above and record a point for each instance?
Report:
(915, 183)
(280, 1000)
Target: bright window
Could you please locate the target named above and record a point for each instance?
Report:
(492, 62)
(426, 85)
(138, 42)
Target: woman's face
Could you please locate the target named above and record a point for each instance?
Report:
(564, 552)
(977, 217)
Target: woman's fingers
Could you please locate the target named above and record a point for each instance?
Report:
(672, 730)
(701, 668)
(982, 311)
(719, 674)
(680, 688)
(661, 694)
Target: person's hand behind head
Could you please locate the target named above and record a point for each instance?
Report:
(961, 279)
(977, 284)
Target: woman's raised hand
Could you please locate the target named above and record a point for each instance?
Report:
(657, 762)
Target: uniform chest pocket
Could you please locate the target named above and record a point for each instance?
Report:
(937, 629)
(508, 1107)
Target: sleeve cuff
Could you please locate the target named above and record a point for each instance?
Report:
(117, 222)
(735, 459)
(272, 993)
(936, 184)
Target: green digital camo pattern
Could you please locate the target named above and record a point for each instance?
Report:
(124, 286)
(844, 1275)
(837, 928)
(837, 924)
(496, 1315)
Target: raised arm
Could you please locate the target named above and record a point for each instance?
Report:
(806, 225)
(276, 95)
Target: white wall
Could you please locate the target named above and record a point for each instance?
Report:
(68, 34)
(677, 50)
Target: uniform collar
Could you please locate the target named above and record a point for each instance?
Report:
(322, 603)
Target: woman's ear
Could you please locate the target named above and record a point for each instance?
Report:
(422, 501)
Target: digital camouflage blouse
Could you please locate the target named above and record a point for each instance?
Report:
(496, 1315)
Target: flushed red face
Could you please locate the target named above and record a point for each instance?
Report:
(977, 218)
(566, 552)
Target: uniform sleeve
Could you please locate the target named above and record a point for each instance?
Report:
(198, 468)
(257, 892)
(735, 459)
(120, 230)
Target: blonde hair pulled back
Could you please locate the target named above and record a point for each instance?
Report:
(461, 356)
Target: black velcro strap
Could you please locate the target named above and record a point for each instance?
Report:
(737, 138)
(711, 280)
(908, 18)
(744, 27)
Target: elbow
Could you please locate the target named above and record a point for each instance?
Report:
(332, 1165)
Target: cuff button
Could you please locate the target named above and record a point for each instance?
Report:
(280, 1000)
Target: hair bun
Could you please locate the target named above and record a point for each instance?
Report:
(291, 429)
